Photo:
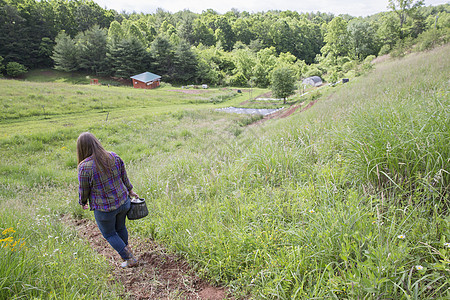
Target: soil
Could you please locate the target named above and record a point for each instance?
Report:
(159, 275)
(285, 112)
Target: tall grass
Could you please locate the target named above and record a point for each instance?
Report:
(346, 200)
(42, 259)
(342, 201)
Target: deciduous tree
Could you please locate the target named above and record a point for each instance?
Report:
(283, 82)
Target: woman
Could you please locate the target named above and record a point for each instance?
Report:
(104, 183)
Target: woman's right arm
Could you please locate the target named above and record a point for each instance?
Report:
(124, 176)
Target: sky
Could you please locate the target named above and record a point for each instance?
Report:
(352, 7)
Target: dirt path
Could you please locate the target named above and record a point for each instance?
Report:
(285, 113)
(160, 275)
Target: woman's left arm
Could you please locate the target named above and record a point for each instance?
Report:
(84, 188)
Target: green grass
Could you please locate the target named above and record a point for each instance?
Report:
(346, 200)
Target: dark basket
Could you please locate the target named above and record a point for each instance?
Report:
(138, 210)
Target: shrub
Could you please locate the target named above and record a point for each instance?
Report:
(333, 77)
(369, 59)
(350, 65)
(313, 72)
(384, 50)
(432, 38)
(238, 80)
(15, 69)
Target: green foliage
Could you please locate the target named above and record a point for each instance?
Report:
(15, 69)
(364, 41)
(406, 12)
(283, 83)
(2, 67)
(345, 200)
(432, 38)
(65, 53)
(44, 259)
(91, 51)
(185, 64)
(163, 54)
(238, 80)
(314, 71)
(336, 38)
(127, 57)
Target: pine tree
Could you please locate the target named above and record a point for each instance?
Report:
(127, 57)
(65, 53)
(185, 63)
(163, 57)
(91, 48)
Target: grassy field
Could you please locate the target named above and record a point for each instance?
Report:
(347, 200)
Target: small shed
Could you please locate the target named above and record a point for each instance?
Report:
(314, 81)
(146, 80)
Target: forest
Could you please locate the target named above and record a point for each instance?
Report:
(236, 48)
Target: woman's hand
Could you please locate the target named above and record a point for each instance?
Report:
(133, 194)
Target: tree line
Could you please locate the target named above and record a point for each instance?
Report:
(235, 48)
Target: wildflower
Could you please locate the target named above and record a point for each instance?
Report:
(401, 236)
(419, 267)
(8, 230)
(447, 245)
(8, 239)
(312, 211)
(374, 222)
(64, 148)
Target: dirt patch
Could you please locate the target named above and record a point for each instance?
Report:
(192, 92)
(160, 274)
(285, 112)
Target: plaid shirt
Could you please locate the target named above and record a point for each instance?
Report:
(105, 192)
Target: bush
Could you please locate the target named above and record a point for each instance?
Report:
(432, 38)
(15, 69)
(333, 77)
(238, 80)
(313, 72)
(350, 65)
(384, 50)
(369, 59)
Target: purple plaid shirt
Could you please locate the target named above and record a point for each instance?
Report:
(105, 192)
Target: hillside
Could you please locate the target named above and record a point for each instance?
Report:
(348, 199)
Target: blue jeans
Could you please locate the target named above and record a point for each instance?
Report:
(112, 226)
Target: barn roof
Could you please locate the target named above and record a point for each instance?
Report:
(146, 77)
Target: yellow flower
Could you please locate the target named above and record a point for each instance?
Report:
(8, 239)
(8, 230)
(63, 148)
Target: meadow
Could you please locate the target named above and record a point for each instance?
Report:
(346, 200)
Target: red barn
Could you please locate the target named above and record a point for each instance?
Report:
(146, 80)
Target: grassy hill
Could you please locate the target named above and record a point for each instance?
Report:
(348, 199)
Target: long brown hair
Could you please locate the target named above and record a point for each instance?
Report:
(89, 145)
